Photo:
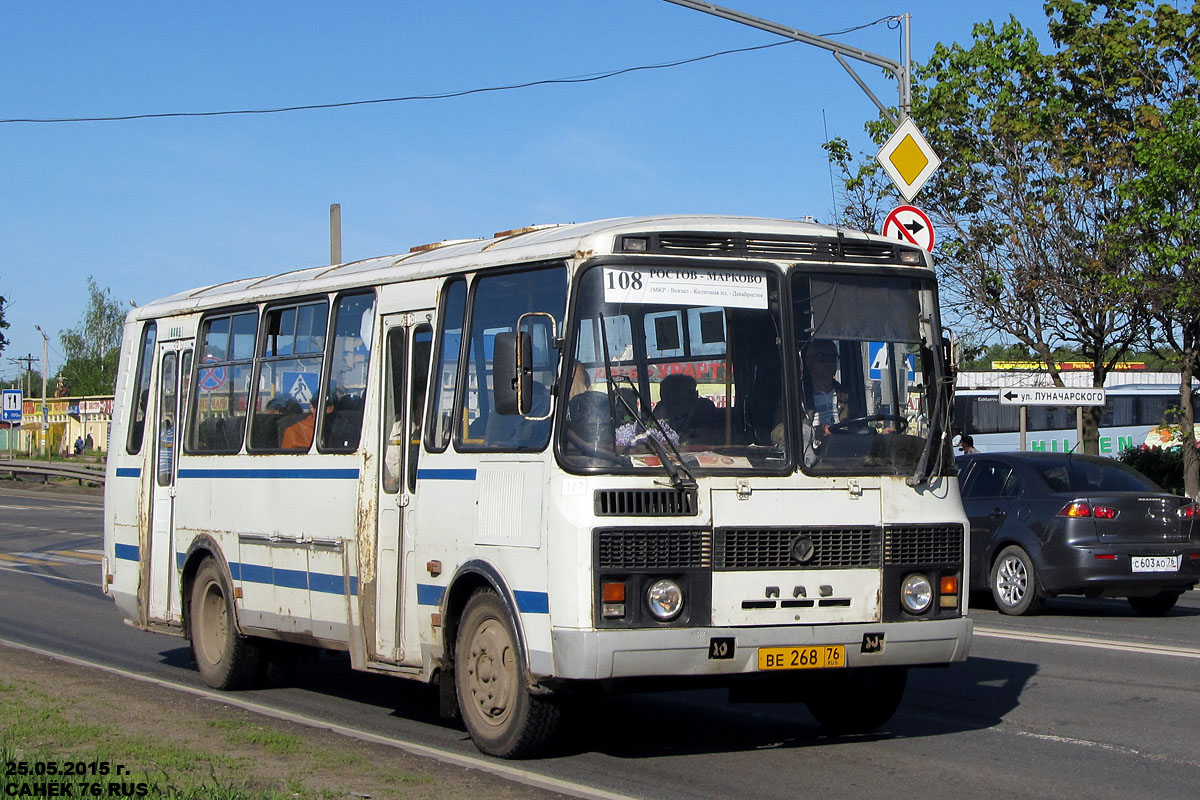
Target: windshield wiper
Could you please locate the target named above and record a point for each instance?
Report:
(681, 477)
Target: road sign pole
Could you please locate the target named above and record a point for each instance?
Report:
(1079, 428)
(1024, 430)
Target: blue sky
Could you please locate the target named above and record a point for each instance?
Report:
(153, 207)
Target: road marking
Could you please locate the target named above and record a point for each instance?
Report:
(19, 559)
(28, 570)
(470, 762)
(1084, 641)
(89, 556)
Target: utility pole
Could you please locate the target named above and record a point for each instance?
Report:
(335, 233)
(45, 416)
(903, 72)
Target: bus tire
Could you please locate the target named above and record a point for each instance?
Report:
(1014, 583)
(501, 715)
(857, 700)
(225, 658)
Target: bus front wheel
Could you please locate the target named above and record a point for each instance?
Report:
(501, 715)
(857, 700)
(225, 658)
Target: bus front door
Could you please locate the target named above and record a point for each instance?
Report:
(162, 573)
(407, 340)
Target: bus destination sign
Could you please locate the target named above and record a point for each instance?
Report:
(1051, 396)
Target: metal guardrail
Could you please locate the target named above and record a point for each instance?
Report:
(55, 469)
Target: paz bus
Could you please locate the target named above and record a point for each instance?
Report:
(557, 461)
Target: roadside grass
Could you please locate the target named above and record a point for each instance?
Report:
(65, 751)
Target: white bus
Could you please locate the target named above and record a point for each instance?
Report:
(1135, 415)
(563, 459)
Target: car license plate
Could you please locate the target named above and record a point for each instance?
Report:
(1155, 563)
(822, 656)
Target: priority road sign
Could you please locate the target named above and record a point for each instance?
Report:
(908, 159)
(1052, 396)
(911, 225)
(11, 406)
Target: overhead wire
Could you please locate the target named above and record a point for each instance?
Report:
(590, 78)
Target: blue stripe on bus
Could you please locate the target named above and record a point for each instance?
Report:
(533, 602)
(315, 474)
(429, 594)
(126, 552)
(292, 578)
(446, 474)
(254, 573)
(129, 472)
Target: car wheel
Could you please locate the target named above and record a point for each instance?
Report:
(1155, 605)
(501, 715)
(1014, 583)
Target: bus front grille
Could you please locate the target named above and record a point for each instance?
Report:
(647, 548)
(923, 544)
(645, 503)
(797, 548)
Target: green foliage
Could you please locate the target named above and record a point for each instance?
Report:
(93, 348)
(1163, 466)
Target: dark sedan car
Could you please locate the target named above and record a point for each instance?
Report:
(1044, 524)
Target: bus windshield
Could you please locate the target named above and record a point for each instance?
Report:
(689, 356)
(868, 376)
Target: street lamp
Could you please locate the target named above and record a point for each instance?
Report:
(45, 416)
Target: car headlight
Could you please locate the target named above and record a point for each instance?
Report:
(665, 599)
(916, 594)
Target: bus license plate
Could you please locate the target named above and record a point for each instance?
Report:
(1155, 563)
(823, 656)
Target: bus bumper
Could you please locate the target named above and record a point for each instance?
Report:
(601, 655)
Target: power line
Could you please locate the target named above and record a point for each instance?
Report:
(420, 97)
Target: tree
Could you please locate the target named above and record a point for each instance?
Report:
(1034, 160)
(93, 348)
(1144, 62)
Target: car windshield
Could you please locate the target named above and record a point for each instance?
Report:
(1084, 475)
(690, 356)
(869, 380)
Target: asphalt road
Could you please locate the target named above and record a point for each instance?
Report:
(1086, 700)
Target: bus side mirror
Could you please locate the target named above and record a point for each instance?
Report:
(512, 373)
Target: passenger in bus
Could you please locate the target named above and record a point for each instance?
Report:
(299, 435)
(266, 429)
(693, 417)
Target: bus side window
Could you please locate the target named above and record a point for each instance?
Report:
(137, 424)
(222, 387)
(445, 377)
(289, 377)
(346, 386)
(497, 302)
(422, 348)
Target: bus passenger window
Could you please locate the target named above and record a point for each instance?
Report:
(222, 386)
(346, 388)
(137, 424)
(289, 377)
(445, 378)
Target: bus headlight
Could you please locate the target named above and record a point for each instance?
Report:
(916, 594)
(665, 599)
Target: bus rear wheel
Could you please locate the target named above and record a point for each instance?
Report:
(857, 700)
(501, 715)
(225, 658)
